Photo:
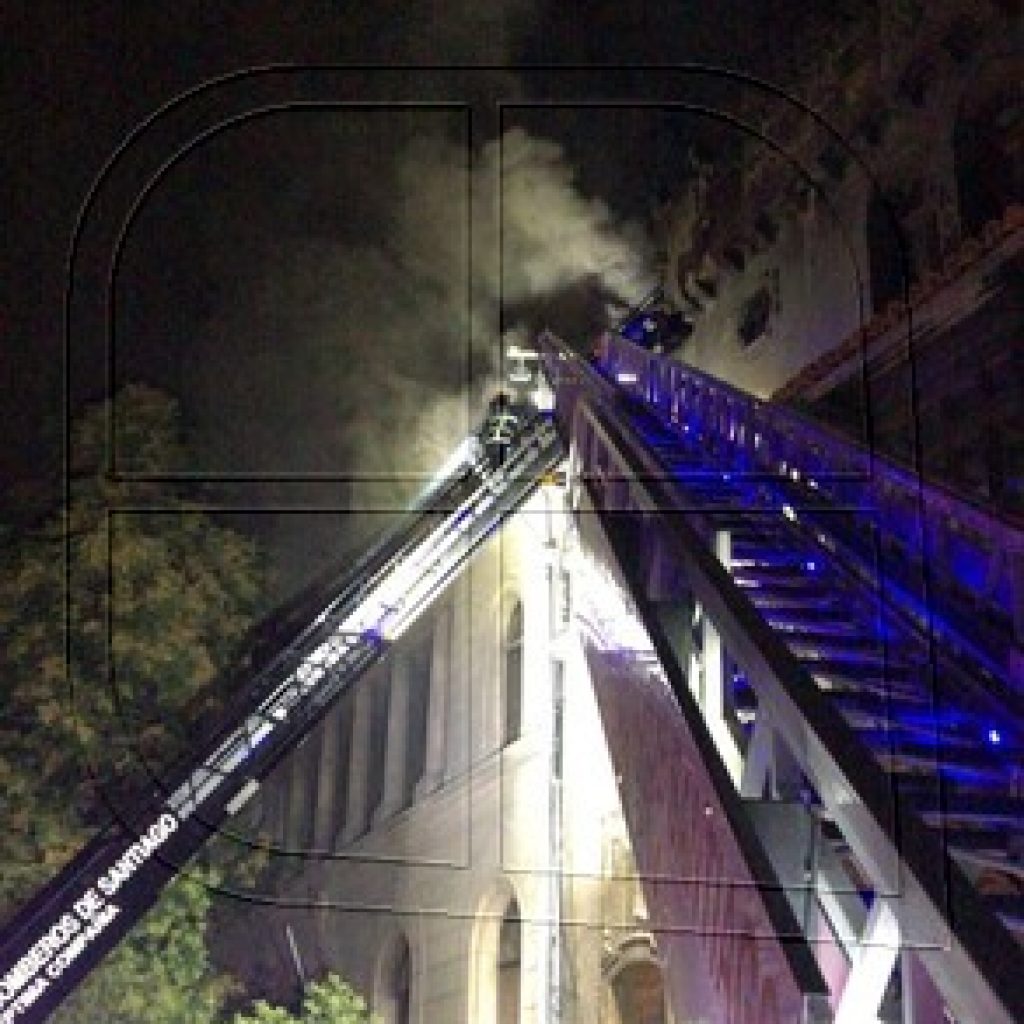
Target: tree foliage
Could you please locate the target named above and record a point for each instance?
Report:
(115, 614)
(160, 974)
(331, 1001)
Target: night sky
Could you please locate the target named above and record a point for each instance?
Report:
(299, 281)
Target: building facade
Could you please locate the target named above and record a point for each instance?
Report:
(854, 244)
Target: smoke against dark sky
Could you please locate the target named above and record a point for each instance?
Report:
(553, 237)
(76, 80)
(326, 292)
(387, 258)
(302, 288)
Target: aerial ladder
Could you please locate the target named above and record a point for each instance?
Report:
(850, 647)
(307, 655)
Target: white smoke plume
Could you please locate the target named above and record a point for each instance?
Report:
(553, 237)
(368, 353)
(540, 248)
(535, 235)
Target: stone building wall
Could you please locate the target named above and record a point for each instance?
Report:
(401, 882)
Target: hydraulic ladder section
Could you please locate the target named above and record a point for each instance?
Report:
(866, 647)
(317, 648)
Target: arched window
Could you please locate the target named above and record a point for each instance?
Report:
(509, 966)
(640, 994)
(494, 950)
(512, 683)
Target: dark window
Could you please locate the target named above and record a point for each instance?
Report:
(885, 257)
(380, 702)
(833, 159)
(513, 681)
(989, 174)
(754, 316)
(766, 227)
(873, 125)
(397, 1007)
(509, 965)
(421, 650)
(916, 80)
(734, 256)
(962, 39)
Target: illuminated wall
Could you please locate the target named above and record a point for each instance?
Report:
(474, 830)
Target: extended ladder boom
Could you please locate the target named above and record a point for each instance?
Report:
(80, 915)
